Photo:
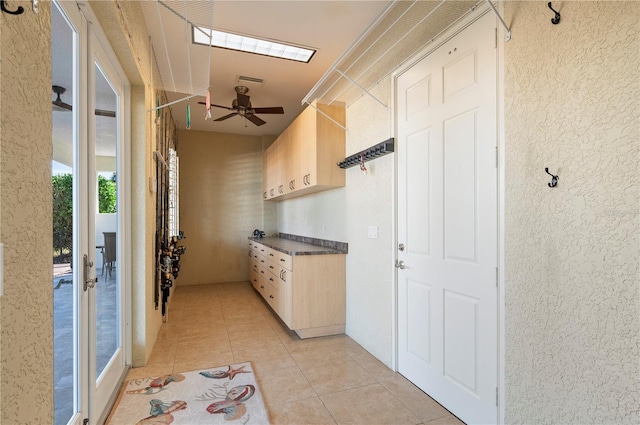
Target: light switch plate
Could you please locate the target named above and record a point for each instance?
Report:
(373, 232)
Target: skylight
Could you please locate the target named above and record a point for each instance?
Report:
(247, 44)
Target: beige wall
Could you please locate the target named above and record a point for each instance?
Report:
(572, 253)
(220, 204)
(26, 337)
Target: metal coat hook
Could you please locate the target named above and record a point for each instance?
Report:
(18, 11)
(362, 166)
(554, 179)
(556, 19)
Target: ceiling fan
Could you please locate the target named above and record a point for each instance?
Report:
(241, 105)
(59, 105)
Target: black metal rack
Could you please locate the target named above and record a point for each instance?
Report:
(373, 152)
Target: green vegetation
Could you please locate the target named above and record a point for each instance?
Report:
(63, 211)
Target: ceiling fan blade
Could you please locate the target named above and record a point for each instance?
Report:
(104, 113)
(254, 119)
(226, 117)
(243, 100)
(61, 106)
(272, 110)
(218, 106)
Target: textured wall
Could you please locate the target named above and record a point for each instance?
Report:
(346, 213)
(571, 262)
(26, 338)
(220, 204)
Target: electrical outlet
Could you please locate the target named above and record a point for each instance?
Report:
(373, 232)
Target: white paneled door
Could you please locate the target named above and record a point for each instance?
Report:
(447, 223)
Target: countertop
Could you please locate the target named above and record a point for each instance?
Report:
(293, 247)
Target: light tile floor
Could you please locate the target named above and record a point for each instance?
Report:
(328, 380)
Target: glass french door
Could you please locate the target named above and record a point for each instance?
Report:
(89, 291)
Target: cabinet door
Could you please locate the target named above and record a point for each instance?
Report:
(285, 295)
(296, 152)
(306, 146)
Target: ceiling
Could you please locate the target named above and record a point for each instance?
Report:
(330, 27)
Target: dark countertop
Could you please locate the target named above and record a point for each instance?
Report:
(293, 247)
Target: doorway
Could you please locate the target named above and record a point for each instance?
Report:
(88, 100)
(447, 299)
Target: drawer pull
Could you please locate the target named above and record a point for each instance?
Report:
(282, 259)
(271, 279)
(262, 271)
(270, 255)
(262, 286)
(271, 296)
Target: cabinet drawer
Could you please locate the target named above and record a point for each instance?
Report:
(254, 265)
(254, 277)
(283, 260)
(272, 296)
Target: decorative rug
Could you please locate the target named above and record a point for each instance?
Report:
(222, 395)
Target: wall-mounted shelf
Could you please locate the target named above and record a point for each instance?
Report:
(373, 152)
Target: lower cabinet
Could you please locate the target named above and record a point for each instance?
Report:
(306, 291)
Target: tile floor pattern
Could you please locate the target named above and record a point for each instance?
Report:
(328, 380)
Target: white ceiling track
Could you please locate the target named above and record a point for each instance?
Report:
(507, 30)
(174, 17)
(392, 38)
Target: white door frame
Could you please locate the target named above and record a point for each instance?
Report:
(89, 31)
(417, 57)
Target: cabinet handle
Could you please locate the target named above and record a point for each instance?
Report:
(293, 184)
(271, 296)
(270, 267)
(271, 279)
(284, 275)
(281, 188)
(262, 286)
(264, 195)
(270, 255)
(280, 274)
(262, 261)
(262, 271)
(271, 192)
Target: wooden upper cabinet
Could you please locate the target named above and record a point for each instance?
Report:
(308, 152)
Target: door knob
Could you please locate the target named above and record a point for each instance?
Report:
(400, 264)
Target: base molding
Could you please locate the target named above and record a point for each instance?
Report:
(320, 331)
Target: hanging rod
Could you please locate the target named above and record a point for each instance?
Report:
(373, 152)
(507, 36)
(174, 102)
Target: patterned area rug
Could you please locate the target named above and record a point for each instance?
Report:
(222, 395)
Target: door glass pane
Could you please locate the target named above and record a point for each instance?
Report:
(106, 222)
(63, 176)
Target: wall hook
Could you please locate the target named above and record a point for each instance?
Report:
(556, 19)
(18, 11)
(554, 179)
